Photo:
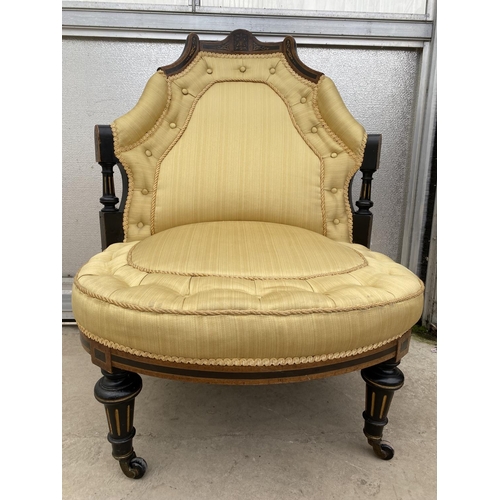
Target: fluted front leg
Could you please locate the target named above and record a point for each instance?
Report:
(117, 391)
(381, 382)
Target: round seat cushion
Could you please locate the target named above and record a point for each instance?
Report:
(237, 293)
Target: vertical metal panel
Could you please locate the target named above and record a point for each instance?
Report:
(421, 157)
(429, 317)
(348, 6)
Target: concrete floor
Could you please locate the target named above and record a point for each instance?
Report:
(293, 441)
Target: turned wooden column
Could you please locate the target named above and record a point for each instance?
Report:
(117, 392)
(381, 382)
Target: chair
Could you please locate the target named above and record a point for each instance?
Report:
(235, 255)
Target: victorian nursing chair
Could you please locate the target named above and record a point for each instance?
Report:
(235, 255)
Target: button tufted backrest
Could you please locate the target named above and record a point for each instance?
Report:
(239, 130)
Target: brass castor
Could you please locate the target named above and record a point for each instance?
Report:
(382, 449)
(133, 466)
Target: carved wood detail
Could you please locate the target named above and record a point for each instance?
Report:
(241, 42)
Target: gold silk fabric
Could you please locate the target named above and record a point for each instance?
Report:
(238, 138)
(250, 164)
(238, 229)
(250, 250)
(321, 299)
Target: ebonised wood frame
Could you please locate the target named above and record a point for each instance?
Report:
(121, 381)
(111, 217)
(241, 42)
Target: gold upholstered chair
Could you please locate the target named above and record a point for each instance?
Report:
(235, 255)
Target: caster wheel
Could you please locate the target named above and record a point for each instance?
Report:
(135, 467)
(383, 450)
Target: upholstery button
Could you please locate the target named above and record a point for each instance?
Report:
(173, 125)
(334, 155)
(148, 152)
(303, 100)
(185, 91)
(209, 71)
(144, 191)
(272, 71)
(314, 130)
(336, 221)
(243, 69)
(140, 224)
(334, 190)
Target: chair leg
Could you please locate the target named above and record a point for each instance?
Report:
(381, 382)
(117, 391)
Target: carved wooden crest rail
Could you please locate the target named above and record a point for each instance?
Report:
(241, 42)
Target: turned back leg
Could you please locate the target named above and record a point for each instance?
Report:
(117, 391)
(381, 382)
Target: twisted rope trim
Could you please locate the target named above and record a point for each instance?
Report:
(131, 263)
(243, 312)
(357, 156)
(323, 123)
(188, 119)
(130, 176)
(282, 59)
(302, 360)
(155, 127)
(119, 150)
(267, 55)
(349, 176)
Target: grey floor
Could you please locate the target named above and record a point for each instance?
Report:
(294, 441)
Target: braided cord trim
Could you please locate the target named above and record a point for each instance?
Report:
(131, 263)
(348, 178)
(243, 312)
(357, 156)
(238, 361)
(292, 118)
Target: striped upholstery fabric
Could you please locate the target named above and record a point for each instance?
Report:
(238, 229)
(226, 292)
(218, 143)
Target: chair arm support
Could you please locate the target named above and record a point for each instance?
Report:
(110, 217)
(362, 218)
